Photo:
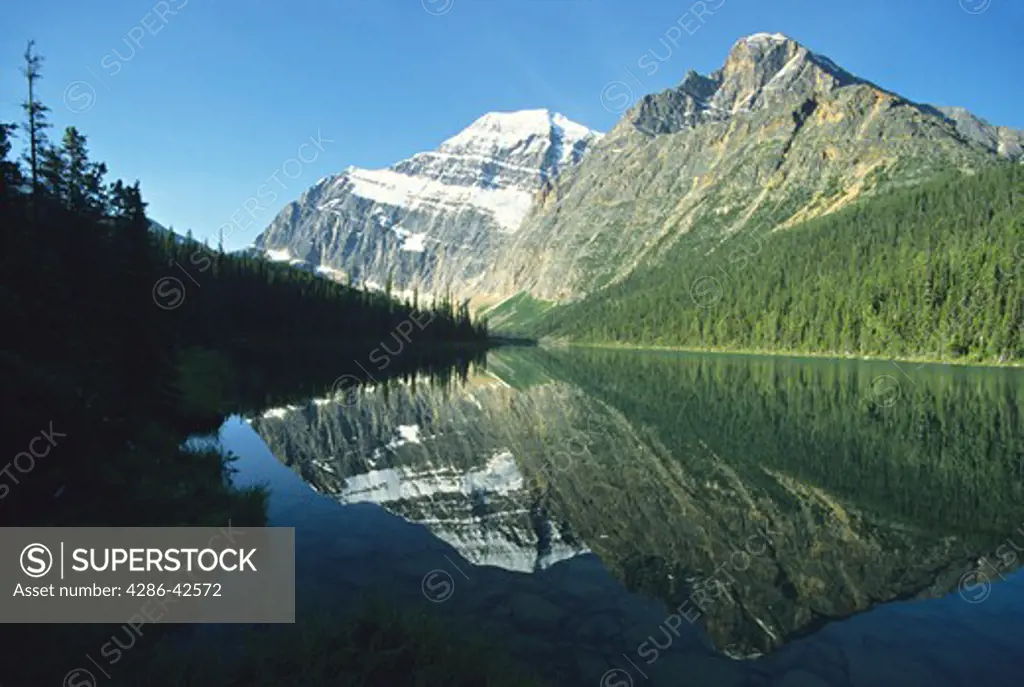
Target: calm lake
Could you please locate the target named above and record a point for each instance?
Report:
(632, 518)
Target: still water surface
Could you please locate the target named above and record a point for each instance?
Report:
(628, 518)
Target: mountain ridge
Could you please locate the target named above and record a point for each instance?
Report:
(779, 134)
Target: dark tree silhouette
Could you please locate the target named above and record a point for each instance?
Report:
(35, 112)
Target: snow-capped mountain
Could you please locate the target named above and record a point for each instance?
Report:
(777, 127)
(435, 220)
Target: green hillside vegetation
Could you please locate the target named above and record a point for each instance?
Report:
(933, 271)
(520, 310)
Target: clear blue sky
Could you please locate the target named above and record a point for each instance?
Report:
(219, 94)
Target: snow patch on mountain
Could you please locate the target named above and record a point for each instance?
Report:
(415, 243)
(282, 255)
(491, 548)
(407, 434)
(501, 475)
(766, 37)
(507, 206)
(330, 272)
(498, 131)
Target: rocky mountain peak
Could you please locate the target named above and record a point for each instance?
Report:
(761, 70)
(509, 129)
(760, 47)
(755, 61)
(549, 140)
(763, 58)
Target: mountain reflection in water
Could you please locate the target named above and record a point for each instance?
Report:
(759, 499)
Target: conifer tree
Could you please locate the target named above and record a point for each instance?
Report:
(53, 175)
(35, 113)
(10, 175)
(85, 178)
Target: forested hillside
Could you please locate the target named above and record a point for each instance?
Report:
(933, 271)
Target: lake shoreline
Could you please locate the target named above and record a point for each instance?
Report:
(778, 354)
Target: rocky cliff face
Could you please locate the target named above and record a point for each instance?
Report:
(1002, 140)
(437, 220)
